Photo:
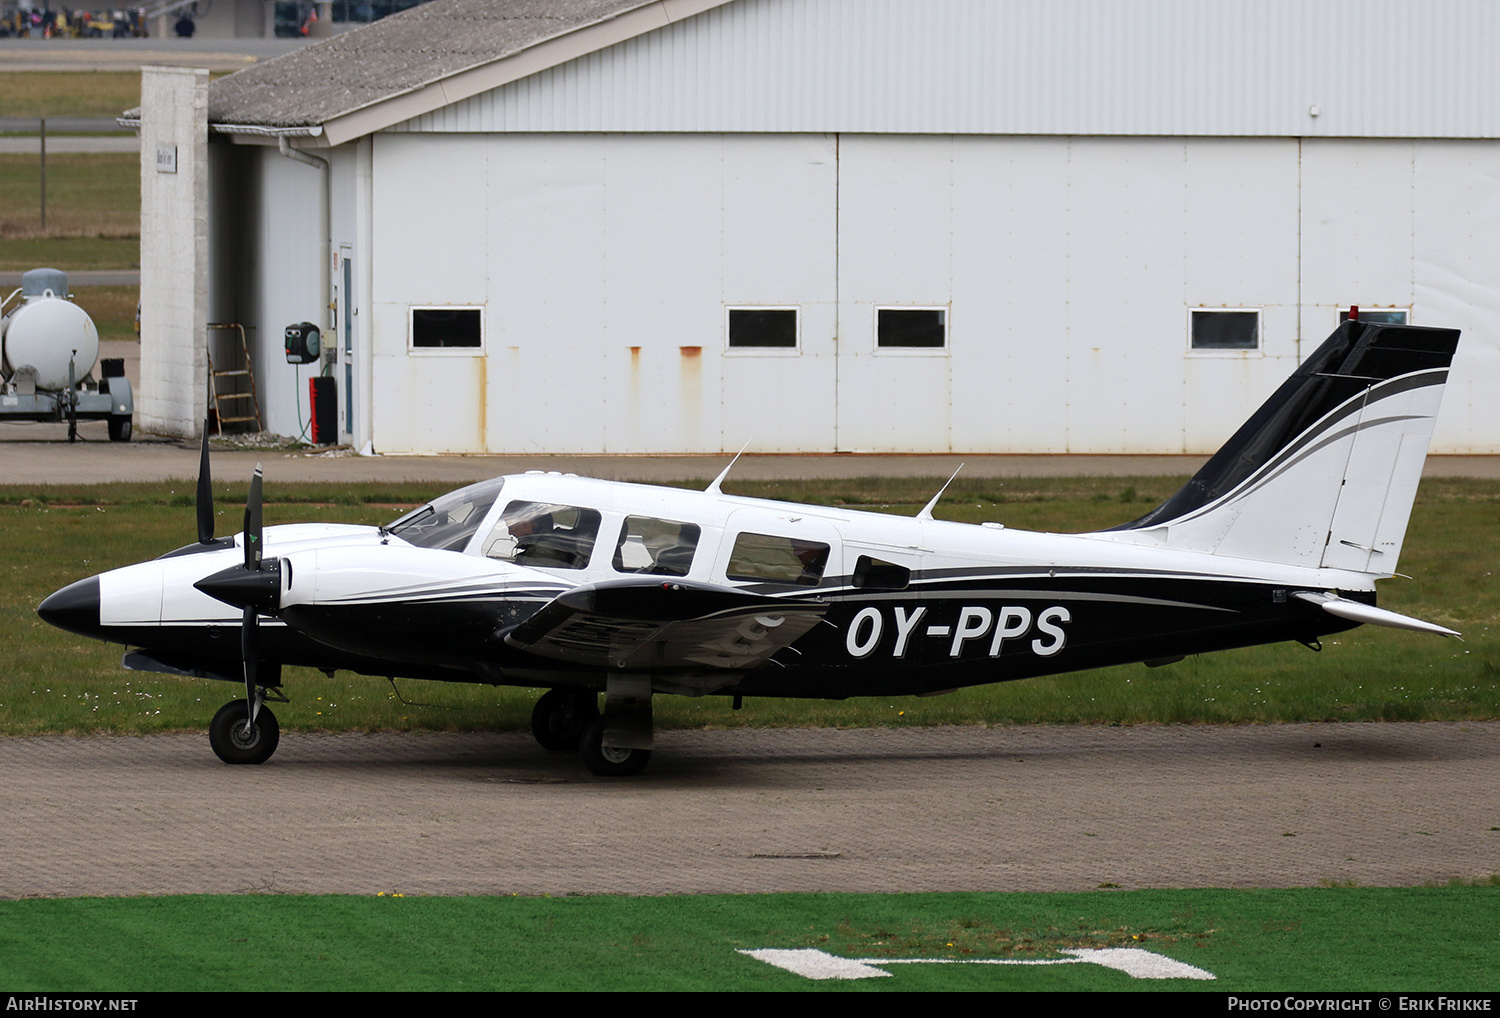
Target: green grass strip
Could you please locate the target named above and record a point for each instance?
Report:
(1318, 939)
(55, 682)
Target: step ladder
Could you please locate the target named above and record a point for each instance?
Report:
(225, 386)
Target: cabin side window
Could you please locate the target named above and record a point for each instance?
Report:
(660, 547)
(544, 534)
(880, 575)
(777, 559)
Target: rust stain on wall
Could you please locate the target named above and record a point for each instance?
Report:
(633, 438)
(484, 405)
(690, 391)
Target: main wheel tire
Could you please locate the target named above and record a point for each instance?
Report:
(236, 741)
(119, 429)
(609, 762)
(560, 716)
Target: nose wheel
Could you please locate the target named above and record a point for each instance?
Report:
(237, 740)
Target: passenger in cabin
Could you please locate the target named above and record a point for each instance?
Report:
(541, 534)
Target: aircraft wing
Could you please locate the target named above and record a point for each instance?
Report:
(645, 625)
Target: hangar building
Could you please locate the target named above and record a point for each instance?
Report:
(825, 225)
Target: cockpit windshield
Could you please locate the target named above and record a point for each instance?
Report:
(447, 523)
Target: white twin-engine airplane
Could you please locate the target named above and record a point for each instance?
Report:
(585, 586)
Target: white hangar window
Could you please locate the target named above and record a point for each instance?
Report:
(916, 330)
(763, 330)
(1215, 330)
(458, 330)
(1379, 316)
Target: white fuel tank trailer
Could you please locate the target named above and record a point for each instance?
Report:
(48, 349)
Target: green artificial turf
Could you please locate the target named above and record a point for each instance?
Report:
(1318, 939)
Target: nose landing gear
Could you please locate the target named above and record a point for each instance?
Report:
(237, 740)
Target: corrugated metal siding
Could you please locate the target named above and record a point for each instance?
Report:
(1069, 267)
(1375, 68)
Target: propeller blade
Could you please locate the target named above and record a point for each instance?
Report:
(205, 494)
(253, 529)
(254, 586)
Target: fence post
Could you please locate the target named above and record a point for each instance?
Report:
(44, 174)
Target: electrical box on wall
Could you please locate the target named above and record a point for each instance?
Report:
(302, 343)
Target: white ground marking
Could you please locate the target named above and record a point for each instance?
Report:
(1139, 964)
(815, 964)
(1134, 962)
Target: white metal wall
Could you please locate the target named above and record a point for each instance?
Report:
(605, 263)
(1373, 68)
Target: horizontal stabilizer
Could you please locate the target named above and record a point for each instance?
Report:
(1356, 611)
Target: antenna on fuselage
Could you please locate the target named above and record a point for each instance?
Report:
(926, 513)
(713, 489)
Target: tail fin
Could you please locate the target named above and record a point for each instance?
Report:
(1325, 473)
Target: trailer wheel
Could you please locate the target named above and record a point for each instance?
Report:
(119, 429)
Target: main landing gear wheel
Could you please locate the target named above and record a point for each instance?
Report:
(560, 716)
(608, 761)
(236, 741)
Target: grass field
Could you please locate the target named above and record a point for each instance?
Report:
(71, 254)
(69, 93)
(111, 307)
(60, 683)
(1320, 939)
(93, 200)
(89, 195)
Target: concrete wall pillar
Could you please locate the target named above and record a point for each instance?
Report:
(174, 249)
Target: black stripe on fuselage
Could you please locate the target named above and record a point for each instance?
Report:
(1061, 622)
(950, 632)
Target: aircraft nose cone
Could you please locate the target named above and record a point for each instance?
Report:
(74, 608)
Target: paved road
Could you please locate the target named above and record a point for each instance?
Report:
(63, 125)
(131, 54)
(93, 277)
(40, 454)
(69, 144)
(1033, 809)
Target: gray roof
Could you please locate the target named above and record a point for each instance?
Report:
(395, 55)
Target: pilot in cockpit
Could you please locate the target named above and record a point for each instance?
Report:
(528, 534)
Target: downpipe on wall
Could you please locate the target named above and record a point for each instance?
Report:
(325, 241)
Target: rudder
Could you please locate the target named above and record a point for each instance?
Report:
(1325, 472)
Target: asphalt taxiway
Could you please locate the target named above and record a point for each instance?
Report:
(878, 810)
